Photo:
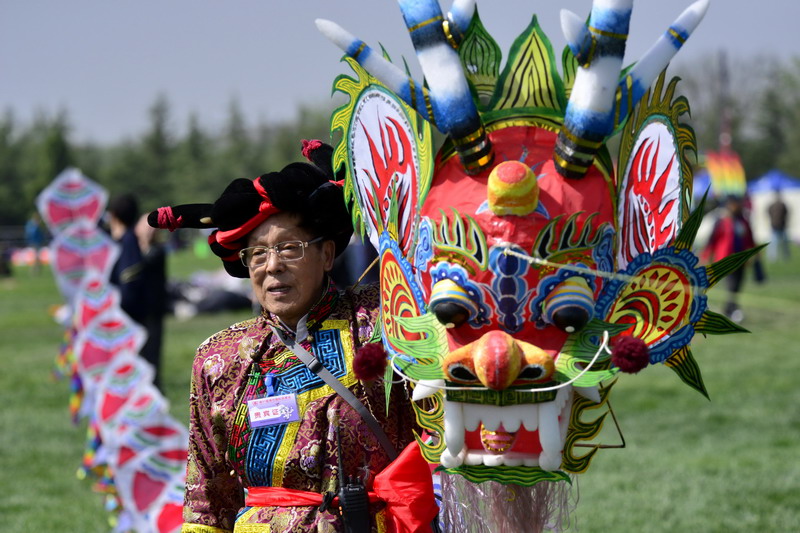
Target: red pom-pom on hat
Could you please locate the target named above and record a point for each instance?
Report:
(309, 147)
(630, 354)
(370, 362)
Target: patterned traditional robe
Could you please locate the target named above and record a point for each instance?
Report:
(226, 455)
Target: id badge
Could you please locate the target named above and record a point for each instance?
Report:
(273, 410)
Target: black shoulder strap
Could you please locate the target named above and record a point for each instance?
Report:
(316, 366)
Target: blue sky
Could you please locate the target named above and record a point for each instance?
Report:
(104, 61)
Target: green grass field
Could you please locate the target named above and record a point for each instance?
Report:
(690, 465)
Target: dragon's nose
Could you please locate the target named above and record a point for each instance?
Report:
(498, 359)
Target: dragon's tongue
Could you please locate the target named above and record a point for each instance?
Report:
(497, 442)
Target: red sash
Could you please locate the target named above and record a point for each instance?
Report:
(405, 486)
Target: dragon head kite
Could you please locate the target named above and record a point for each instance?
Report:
(518, 274)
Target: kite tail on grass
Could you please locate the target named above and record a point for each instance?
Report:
(88, 468)
(65, 356)
(491, 506)
(75, 394)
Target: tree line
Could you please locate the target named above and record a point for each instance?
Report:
(759, 97)
(160, 166)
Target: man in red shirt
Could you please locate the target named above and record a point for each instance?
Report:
(732, 233)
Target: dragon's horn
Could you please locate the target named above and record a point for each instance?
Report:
(397, 81)
(589, 115)
(458, 19)
(635, 84)
(578, 37)
(599, 100)
(445, 101)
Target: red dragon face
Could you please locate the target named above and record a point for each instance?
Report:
(512, 259)
(508, 317)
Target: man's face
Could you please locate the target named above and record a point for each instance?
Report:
(734, 206)
(289, 289)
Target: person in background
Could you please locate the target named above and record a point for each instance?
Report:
(126, 275)
(732, 233)
(356, 264)
(140, 280)
(286, 412)
(5, 261)
(154, 275)
(778, 218)
(34, 238)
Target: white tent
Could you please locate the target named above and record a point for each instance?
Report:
(762, 192)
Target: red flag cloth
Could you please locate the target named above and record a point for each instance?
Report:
(405, 485)
(407, 488)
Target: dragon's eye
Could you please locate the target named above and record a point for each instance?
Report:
(460, 372)
(450, 314)
(570, 305)
(451, 304)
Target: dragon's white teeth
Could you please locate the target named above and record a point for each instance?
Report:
(563, 395)
(563, 422)
(513, 461)
(490, 415)
(472, 417)
(543, 417)
(512, 424)
(491, 423)
(530, 461)
(530, 418)
(454, 427)
(549, 436)
(549, 462)
(426, 388)
(564, 406)
(511, 417)
(493, 460)
(590, 393)
(450, 461)
(480, 458)
(473, 459)
(490, 459)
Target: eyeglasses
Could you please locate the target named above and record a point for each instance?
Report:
(256, 256)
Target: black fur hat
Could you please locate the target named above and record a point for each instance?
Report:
(303, 188)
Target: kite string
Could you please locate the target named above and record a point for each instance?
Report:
(591, 271)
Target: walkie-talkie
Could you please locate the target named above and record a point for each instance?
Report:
(353, 499)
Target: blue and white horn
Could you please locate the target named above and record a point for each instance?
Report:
(457, 21)
(656, 59)
(446, 102)
(600, 100)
